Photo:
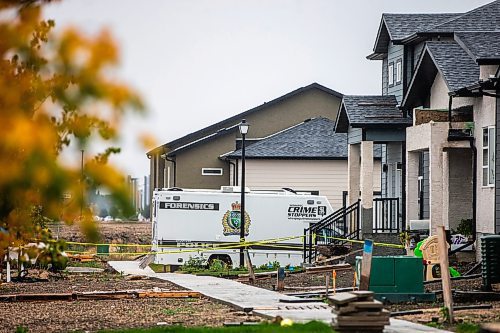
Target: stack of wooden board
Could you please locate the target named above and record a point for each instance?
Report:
(357, 311)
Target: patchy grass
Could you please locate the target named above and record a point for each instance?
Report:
(312, 327)
(467, 328)
(224, 272)
(91, 264)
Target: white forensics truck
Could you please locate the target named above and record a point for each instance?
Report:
(206, 223)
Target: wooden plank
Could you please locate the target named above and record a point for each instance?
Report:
(99, 295)
(363, 318)
(367, 305)
(337, 257)
(445, 272)
(362, 324)
(366, 265)
(364, 295)
(342, 298)
(260, 274)
(170, 294)
(328, 268)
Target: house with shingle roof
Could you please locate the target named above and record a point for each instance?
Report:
(192, 161)
(308, 157)
(451, 145)
(427, 61)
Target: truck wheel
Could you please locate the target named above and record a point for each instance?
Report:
(222, 257)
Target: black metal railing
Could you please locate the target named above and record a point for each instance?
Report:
(386, 215)
(333, 229)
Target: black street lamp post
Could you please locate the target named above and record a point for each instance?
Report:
(243, 130)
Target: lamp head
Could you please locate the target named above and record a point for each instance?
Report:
(244, 127)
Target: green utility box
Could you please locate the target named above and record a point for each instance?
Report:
(103, 250)
(397, 279)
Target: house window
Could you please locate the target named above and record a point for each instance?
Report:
(399, 71)
(390, 74)
(211, 171)
(488, 156)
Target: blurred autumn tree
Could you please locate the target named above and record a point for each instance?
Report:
(55, 89)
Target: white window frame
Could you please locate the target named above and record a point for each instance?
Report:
(205, 173)
(488, 150)
(390, 74)
(399, 71)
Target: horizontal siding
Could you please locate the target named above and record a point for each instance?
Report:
(384, 135)
(354, 135)
(395, 53)
(384, 77)
(327, 177)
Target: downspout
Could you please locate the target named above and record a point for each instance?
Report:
(474, 185)
(174, 163)
(450, 102)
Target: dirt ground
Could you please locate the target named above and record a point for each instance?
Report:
(111, 232)
(93, 315)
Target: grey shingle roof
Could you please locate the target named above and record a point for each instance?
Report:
(482, 46)
(367, 110)
(396, 27)
(457, 67)
(484, 18)
(312, 139)
(403, 25)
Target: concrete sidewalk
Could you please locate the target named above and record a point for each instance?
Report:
(265, 303)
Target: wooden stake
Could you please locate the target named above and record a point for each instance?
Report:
(366, 265)
(327, 283)
(445, 271)
(251, 273)
(334, 278)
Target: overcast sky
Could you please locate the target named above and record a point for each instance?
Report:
(199, 62)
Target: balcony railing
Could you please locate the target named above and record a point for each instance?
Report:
(458, 115)
(386, 215)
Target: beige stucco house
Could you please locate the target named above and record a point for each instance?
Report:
(193, 161)
(451, 145)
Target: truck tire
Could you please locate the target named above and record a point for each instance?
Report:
(222, 257)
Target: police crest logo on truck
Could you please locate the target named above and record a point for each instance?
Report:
(231, 220)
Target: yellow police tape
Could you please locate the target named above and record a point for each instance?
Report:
(272, 243)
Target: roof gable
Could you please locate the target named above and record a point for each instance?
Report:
(396, 27)
(312, 139)
(221, 126)
(366, 111)
(456, 67)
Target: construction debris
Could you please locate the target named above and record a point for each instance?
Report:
(357, 311)
(100, 295)
(329, 268)
(457, 308)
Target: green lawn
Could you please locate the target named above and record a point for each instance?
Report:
(313, 327)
